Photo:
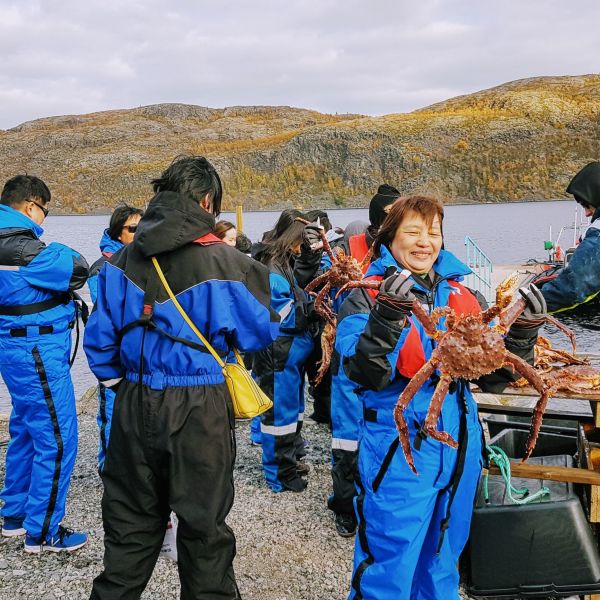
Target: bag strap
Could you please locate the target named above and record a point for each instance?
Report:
(185, 315)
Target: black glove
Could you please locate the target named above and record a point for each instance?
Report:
(395, 297)
(312, 236)
(534, 314)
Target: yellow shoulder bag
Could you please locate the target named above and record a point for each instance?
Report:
(247, 397)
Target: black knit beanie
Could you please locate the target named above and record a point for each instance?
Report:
(386, 194)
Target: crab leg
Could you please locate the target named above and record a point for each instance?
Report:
(405, 397)
(510, 315)
(433, 414)
(364, 284)
(367, 259)
(525, 369)
(316, 282)
(568, 332)
(327, 341)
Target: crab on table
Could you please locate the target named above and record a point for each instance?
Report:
(468, 349)
(344, 269)
(548, 359)
(575, 379)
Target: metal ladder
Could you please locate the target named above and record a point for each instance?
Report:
(481, 266)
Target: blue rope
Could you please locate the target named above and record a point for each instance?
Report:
(498, 456)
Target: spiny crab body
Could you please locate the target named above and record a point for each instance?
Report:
(467, 349)
(344, 269)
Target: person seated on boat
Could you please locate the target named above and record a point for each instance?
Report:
(408, 544)
(579, 281)
(226, 231)
(121, 229)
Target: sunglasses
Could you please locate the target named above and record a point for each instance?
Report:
(130, 228)
(42, 208)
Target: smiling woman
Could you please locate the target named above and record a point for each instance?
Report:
(408, 546)
(413, 233)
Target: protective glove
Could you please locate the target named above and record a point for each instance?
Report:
(534, 314)
(395, 297)
(312, 236)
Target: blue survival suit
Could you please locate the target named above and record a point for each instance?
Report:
(106, 396)
(412, 529)
(346, 414)
(37, 314)
(280, 371)
(579, 281)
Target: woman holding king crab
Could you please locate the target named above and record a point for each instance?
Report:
(416, 491)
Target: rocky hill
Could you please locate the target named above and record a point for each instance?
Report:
(520, 140)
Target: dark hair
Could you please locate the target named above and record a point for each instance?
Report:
(119, 217)
(286, 234)
(24, 188)
(192, 176)
(222, 227)
(286, 218)
(425, 206)
(313, 215)
(243, 243)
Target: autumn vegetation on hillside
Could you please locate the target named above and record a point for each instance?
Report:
(519, 141)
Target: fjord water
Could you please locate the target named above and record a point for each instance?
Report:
(507, 233)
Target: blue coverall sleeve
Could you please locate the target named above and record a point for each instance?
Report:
(369, 348)
(579, 281)
(101, 341)
(57, 268)
(282, 300)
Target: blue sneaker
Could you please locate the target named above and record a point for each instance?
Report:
(13, 527)
(65, 540)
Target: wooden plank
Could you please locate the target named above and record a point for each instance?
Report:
(549, 473)
(531, 392)
(499, 403)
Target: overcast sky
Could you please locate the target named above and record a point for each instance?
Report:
(359, 56)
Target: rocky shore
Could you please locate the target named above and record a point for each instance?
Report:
(288, 548)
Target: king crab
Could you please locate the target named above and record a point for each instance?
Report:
(468, 349)
(344, 269)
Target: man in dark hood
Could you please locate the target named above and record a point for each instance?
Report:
(172, 443)
(579, 281)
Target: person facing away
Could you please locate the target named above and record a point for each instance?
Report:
(579, 281)
(37, 315)
(412, 528)
(120, 232)
(280, 368)
(172, 444)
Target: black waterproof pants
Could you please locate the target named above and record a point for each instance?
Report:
(171, 449)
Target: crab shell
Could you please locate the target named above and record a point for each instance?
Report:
(471, 348)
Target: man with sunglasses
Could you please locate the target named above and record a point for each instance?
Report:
(37, 314)
(579, 281)
(120, 232)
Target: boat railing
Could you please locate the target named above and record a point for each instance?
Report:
(481, 266)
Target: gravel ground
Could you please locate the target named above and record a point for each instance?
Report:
(288, 548)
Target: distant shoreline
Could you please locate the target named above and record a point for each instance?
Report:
(335, 208)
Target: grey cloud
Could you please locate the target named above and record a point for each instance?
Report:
(382, 57)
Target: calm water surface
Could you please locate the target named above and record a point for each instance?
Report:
(507, 233)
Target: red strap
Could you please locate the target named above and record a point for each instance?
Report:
(359, 248)
(208, 239)
(107, 254)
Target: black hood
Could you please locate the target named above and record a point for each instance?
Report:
(585, 186)
(171, 221)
